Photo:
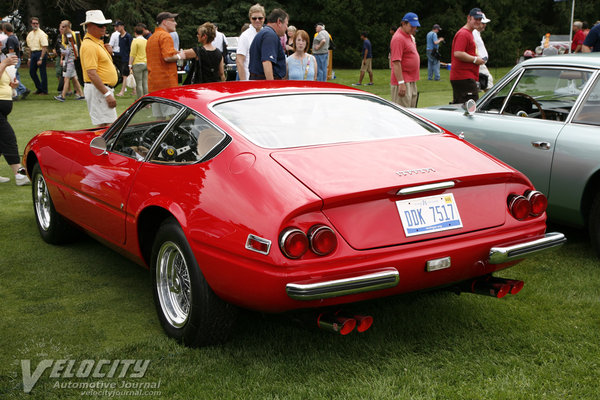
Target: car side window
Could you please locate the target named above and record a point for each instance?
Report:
(494, 104)
(188, 141)
(546, 93)
(589, 112)
(139, 133)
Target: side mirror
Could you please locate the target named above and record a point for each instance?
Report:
(98, 146)
(470, 106)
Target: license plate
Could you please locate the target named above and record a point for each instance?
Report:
(429, 214)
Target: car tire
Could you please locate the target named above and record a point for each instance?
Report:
(594, 224)
(188, 310)
(53, 227)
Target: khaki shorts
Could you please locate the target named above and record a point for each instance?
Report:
(100, 112)
(408, 100)
(366, 65)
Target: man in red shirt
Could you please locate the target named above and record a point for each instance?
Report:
(464, 72)
(405, 62)
(578, 37)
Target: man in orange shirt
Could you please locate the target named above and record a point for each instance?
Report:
(161, 54)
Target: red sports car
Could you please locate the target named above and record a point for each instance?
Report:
(277, 196)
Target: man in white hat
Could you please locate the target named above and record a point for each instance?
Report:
(486, 80)
(99, 73)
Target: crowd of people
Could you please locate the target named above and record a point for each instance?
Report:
(268, 48)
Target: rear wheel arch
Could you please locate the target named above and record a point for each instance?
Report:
(149, 222)
(32, 160)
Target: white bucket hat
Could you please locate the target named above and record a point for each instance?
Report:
(95, 17)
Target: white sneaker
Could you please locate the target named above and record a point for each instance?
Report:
(21, 178)
(4, 179)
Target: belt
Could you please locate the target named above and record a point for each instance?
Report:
(108, 86)
(36, 51)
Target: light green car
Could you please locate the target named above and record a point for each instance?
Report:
(543, 118)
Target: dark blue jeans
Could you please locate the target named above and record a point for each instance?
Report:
(40, 83)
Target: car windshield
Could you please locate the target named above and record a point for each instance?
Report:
(232, 41)
(315, 119)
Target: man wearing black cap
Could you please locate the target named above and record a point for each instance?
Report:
(433, 63)
(464, 72)
(161, 55)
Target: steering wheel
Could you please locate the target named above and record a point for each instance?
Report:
(531, 100)
(184, 142)
(148, 137)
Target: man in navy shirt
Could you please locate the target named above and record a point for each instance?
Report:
(592, 40)
(367, 58)
(267, 58)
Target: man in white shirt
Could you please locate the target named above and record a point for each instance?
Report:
(257, 18)
(114, 40)
(220, 41)
(483, 54)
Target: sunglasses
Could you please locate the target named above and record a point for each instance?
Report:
(35, 23)
(257, 18)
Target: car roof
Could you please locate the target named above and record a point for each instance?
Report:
(590, 60)
(195, 96)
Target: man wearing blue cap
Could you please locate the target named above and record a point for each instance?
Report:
(464, 73)
(405, 62)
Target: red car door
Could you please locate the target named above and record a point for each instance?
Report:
(101, 186)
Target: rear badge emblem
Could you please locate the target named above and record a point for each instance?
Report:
(416, 171)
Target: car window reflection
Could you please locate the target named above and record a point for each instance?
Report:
(542, 93)
(139, 134)
(589, 112)
(188, 141)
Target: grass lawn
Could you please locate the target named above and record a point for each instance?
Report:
(84, 302)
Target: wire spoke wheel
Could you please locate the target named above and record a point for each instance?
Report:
(42, 202)
(173, 284)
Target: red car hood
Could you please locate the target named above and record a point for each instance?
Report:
(358, 183)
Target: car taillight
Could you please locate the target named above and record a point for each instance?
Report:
(322, 240)
(519, 207)
(538, 202)
(293, 243)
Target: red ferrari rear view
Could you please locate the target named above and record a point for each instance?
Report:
(280, 196)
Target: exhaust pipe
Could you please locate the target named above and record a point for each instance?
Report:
(363, 322)
(515, 286)
(343, 324)
(336, 323)
(494, 287)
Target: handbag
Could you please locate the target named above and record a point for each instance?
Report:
(436, 54)
(194, 74)
(130, 81)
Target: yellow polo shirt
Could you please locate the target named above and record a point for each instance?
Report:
(93, 55)
(138, 50)
(5, 89)
(36, 39)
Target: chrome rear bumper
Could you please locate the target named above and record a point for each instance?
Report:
(341, 287)
(515, 251)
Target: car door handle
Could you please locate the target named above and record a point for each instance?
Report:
(541, 145)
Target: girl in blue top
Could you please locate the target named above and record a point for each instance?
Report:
(300, 65)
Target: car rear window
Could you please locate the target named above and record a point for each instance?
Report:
(313, 119)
